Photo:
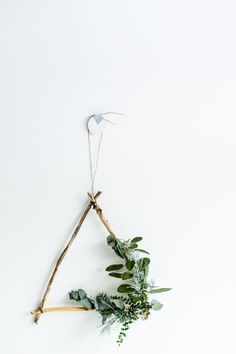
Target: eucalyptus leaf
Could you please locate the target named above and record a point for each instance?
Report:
(159, 290)
(115, 275)
(74, 295)
(133, 301)
(86, 302)
(82, 294)
(156, 305)
(114, 267)
(130, 264)
(78, 295)
(136, 239)
(127, 275)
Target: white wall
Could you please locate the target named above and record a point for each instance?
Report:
(167, 172)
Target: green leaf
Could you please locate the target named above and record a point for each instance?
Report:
(111, 241)
(102, 305)
(125, 288)
(119, 303)
(77, 295)
(74, 295)
(136, 239)
(140, 250)
(146, 261)
(137, 298)
(130, 264)
(116, 245)
(86, 303)
(133, 246)
(82, 294)
(156, 305)
(115, 275)
(127, 275)
(119, 250)
(159, 290)
(114, 267)
(143, 264)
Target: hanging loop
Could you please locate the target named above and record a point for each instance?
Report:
(97, 124)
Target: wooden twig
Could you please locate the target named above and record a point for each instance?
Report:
(100, 214)
(41, 309)
(53, 309)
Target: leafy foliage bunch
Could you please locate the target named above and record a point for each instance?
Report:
(133, 302)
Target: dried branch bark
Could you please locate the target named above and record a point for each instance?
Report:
(100, 214)
(53, 309)
(41, 309)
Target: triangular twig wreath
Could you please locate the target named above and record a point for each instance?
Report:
(133, 302)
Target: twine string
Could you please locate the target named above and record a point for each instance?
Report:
(93, 170)
(94, 167)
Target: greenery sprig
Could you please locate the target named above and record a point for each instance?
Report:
(134, 302)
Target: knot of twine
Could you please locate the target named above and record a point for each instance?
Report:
(99, 212)
(94, 203)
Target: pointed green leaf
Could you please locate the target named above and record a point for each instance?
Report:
(115, 275)
(140, 250)
(119, 250)
(159, 290)
(114, 267)
(143, 262)
(127, 275)
(146, 261)
(133, 246)
(136, 239)
(130, 264)
(125, 288)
